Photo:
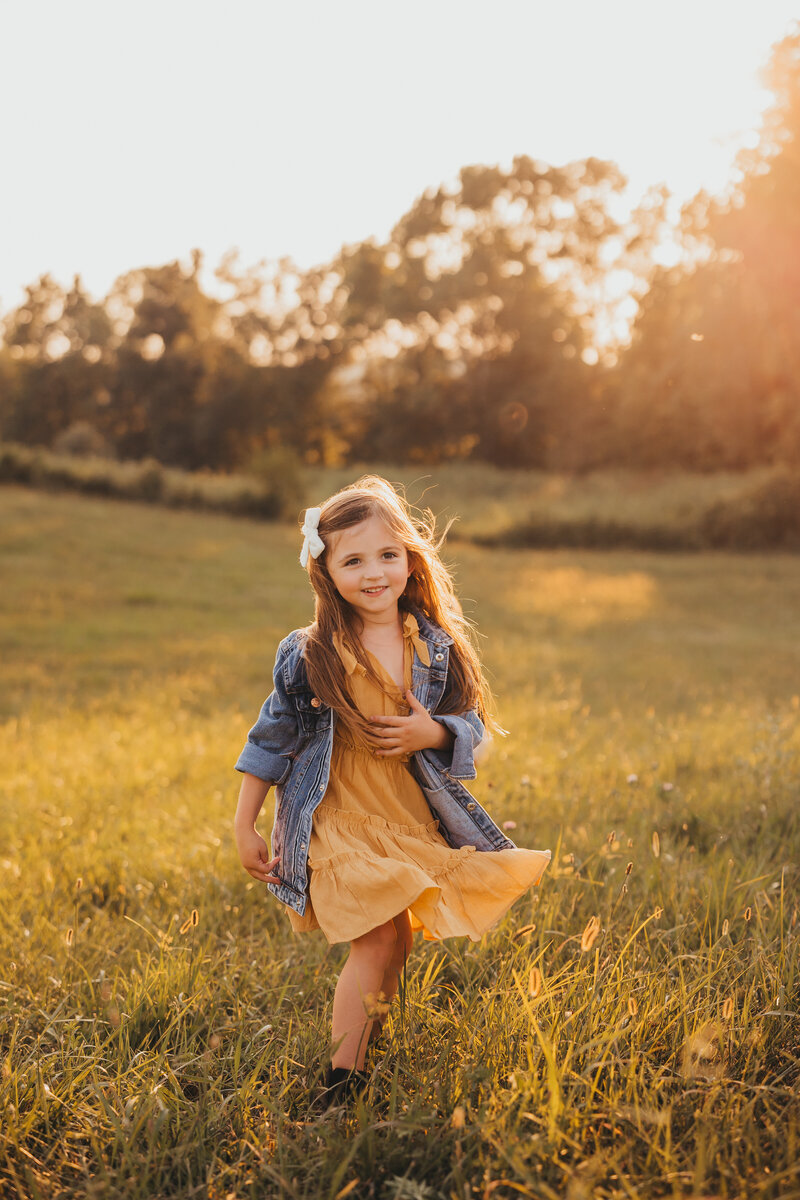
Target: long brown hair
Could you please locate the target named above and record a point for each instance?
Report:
(429, 589)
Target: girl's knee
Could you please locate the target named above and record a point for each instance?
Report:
(405, 937)
(379, 943)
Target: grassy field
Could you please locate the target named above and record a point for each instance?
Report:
(621, 1033)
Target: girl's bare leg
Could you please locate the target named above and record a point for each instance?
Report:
(391, 978)
(364, 972)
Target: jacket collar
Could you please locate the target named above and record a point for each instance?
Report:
(430, 632)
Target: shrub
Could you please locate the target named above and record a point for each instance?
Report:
(15, 464)
(280, 473)
(765, 516)
(149, 483)
(591, 533)
(81, 440)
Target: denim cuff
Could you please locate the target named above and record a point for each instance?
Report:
(272, 768)
(460, 760)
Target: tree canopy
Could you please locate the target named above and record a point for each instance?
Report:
(471, 331)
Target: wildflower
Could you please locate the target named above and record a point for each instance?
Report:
(701, 1052)
(589, 935)
(667, 787)
(376, 1005)
(509, 824)
(656, 844)
(633, 778)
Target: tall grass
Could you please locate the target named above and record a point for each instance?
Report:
(630, 1029)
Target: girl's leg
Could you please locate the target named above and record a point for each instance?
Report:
(391, 978)
(364, 972)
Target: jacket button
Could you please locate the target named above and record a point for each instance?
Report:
(471, 805)
(315, 702)
(302, 845)
(438, 657)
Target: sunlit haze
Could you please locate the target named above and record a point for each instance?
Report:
(136, 132)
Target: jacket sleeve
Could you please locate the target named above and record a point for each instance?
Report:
(274, 737)
(469, 733)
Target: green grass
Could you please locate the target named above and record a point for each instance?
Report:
(147, 1056)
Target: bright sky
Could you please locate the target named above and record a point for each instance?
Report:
(135, 130)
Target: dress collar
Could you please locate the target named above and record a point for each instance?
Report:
(410, 631)
(349, 661)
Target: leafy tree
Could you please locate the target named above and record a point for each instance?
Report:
(712, 377)
(57, 361)
(477, 304)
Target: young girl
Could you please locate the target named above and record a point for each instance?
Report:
(376, 711)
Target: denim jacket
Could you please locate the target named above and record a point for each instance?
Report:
(290, 746)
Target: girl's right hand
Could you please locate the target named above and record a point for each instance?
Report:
(254, 855)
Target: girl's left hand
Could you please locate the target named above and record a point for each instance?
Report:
(403, 735)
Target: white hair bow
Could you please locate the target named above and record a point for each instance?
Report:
(313, 543)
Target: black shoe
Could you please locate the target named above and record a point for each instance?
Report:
(340, 1083)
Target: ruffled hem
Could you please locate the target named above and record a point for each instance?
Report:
(388, 868)
(350, 828)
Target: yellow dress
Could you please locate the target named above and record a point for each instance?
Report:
(375, 849)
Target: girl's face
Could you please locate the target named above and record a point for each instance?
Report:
(369, 568)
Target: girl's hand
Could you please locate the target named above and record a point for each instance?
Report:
(254, 853)
(403, 735)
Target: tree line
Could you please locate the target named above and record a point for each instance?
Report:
(470, 332)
